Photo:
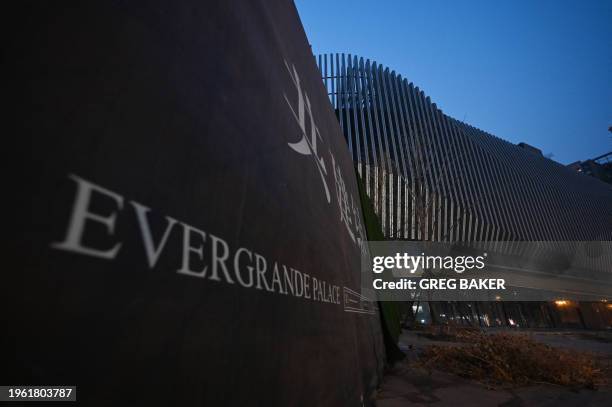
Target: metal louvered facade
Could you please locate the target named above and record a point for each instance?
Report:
(432, 177)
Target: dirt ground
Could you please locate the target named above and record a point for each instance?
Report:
(405, 385)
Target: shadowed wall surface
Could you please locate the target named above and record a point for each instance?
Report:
(190, 227)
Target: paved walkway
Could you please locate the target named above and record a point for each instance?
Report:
(407, 386)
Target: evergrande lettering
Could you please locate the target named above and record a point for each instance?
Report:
(203, 255)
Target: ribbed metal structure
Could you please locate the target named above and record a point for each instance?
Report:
(432, 177)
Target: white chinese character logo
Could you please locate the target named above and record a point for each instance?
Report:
(308, 143)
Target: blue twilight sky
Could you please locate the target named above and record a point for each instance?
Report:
(532, 71)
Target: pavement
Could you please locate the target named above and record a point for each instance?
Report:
(405, 385)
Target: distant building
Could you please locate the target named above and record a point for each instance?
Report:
(530, 148)
(431, 177)
(598, 167)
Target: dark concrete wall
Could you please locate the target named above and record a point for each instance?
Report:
(184, 108)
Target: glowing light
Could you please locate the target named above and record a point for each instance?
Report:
(561, 303)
